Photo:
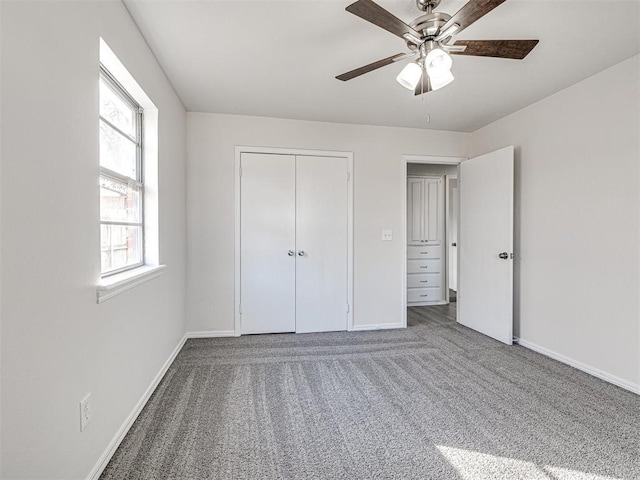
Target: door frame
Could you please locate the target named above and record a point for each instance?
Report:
(239, 150)
(425, 159)
(448, 208)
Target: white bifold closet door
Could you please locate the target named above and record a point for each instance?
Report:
(293, 245)
(267, 243)
(321, 235)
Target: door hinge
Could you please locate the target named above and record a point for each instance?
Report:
(348, 176)
(240, 309)
(347, 308)
(240, 171)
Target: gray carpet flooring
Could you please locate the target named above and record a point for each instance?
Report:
(434, 401)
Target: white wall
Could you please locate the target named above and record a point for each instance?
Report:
(378, 204)
(57, 343)
(577, 211)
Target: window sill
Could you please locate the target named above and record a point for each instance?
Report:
(121, 282)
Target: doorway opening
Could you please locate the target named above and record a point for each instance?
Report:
(430, 238)
(482, 258)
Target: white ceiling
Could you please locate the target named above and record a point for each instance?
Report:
(279, 58)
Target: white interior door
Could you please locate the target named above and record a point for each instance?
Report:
(267, 243)
(485, 283)
(322, 243)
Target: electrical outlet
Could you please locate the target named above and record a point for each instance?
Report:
(86, 412)
(387, 235)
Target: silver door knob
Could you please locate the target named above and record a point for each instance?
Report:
(290, 253)
(503, 255)
(301, 253)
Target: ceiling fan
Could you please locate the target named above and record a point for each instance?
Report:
(428, 38)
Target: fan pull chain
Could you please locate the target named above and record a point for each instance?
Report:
(423, 96)
(426, 100)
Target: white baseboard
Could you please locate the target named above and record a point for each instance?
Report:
(381, 326)
(96, 471)
(212, 334)
(607, 377)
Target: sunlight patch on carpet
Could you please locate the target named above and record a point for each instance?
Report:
(482, 466)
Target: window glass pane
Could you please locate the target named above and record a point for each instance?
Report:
(117, 153)
(121, 246)
(116, 110)
(119, 201)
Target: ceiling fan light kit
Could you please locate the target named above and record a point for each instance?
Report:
(437, 82)
(434, 62)
(410, 76)
(437, 62)
(429, 36)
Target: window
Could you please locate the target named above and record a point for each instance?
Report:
(129, 208)
(121, 179)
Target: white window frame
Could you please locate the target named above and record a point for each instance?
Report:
(122, 93)
(117, 283)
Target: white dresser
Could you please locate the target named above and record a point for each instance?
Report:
(426, 263)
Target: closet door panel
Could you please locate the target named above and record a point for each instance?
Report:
(415, 211)
(321, 242)
(432, 209)
(267, 231)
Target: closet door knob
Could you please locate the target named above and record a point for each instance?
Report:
(301, 253)
(503, 255)
(290, 253)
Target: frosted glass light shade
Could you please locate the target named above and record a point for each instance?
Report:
(438, 62)
(440, 81)
(410, 76)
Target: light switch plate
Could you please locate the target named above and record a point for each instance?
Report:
(387, 235)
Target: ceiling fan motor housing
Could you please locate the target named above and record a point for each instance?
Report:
(428, 25)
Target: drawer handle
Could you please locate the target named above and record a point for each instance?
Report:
(424, 281)
(426, 295)
(424, 253)
(424, 266)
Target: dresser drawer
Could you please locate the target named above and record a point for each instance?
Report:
(423, 295)
(423, 280)
(427, 265)
(427, 251)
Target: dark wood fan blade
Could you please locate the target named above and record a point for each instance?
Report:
(471, 12)
(424, 85)
(516, 49)
(372, 66)
(374, 13)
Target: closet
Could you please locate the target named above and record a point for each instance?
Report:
(426, 265)
(293, 243)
